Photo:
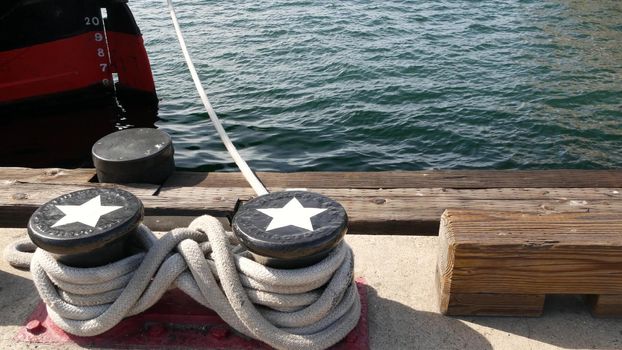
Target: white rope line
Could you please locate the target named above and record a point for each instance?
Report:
(248, 174)
(306, 308)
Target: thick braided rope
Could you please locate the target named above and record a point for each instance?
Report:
(307, 308)
(19, 253)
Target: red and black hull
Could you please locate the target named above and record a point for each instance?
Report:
(55, 52)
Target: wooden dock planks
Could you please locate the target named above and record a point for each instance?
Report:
(379, 202)
(504, 263)
(50, 175)
(411, 179)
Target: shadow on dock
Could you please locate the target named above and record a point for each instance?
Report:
(565, 323)
(19, 298)
(397, 326)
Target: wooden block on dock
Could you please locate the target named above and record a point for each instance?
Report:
(491, 304)
(606, 305)
(504, 263)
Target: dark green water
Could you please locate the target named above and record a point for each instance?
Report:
(370, 85)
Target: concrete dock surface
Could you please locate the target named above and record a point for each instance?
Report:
(403, 310)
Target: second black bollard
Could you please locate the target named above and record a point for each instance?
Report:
(290, 229)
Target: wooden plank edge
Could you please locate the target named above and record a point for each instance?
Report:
(47, 175)
(605, 305)
(491, 304)
(19, 216)
(444, 263)
(457, 179)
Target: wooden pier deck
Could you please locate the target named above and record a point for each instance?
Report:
(395, 212)
(388, 202)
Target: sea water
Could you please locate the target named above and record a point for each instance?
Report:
(386, 85)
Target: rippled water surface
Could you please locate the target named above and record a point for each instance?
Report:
(383, 85)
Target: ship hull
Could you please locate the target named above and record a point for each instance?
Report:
(54, 52)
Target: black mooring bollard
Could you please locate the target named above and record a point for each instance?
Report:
(87, 228)
(134, 155)
(290, 229)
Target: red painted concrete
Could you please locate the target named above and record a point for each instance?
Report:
(175, 321)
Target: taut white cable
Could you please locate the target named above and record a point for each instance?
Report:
(248, 174)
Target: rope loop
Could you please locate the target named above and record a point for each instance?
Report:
(306, 308)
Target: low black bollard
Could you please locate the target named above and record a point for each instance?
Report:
(134, 155)
(87, 228)
(290, 229)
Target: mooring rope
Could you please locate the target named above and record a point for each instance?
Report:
(306, 308)
(248, 174)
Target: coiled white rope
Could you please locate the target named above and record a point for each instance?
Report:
(248, 174)
(307, 308)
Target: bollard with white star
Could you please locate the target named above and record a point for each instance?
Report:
(290, 229)
(86, 228)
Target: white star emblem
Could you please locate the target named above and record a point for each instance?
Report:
(293, 213)
(87, 213)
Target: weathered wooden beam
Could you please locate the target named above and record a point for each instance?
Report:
(461, 179)
(196, 201)
(493, 259)
(388, 211)
(606, 305)
(49, 175)
(491, 304)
